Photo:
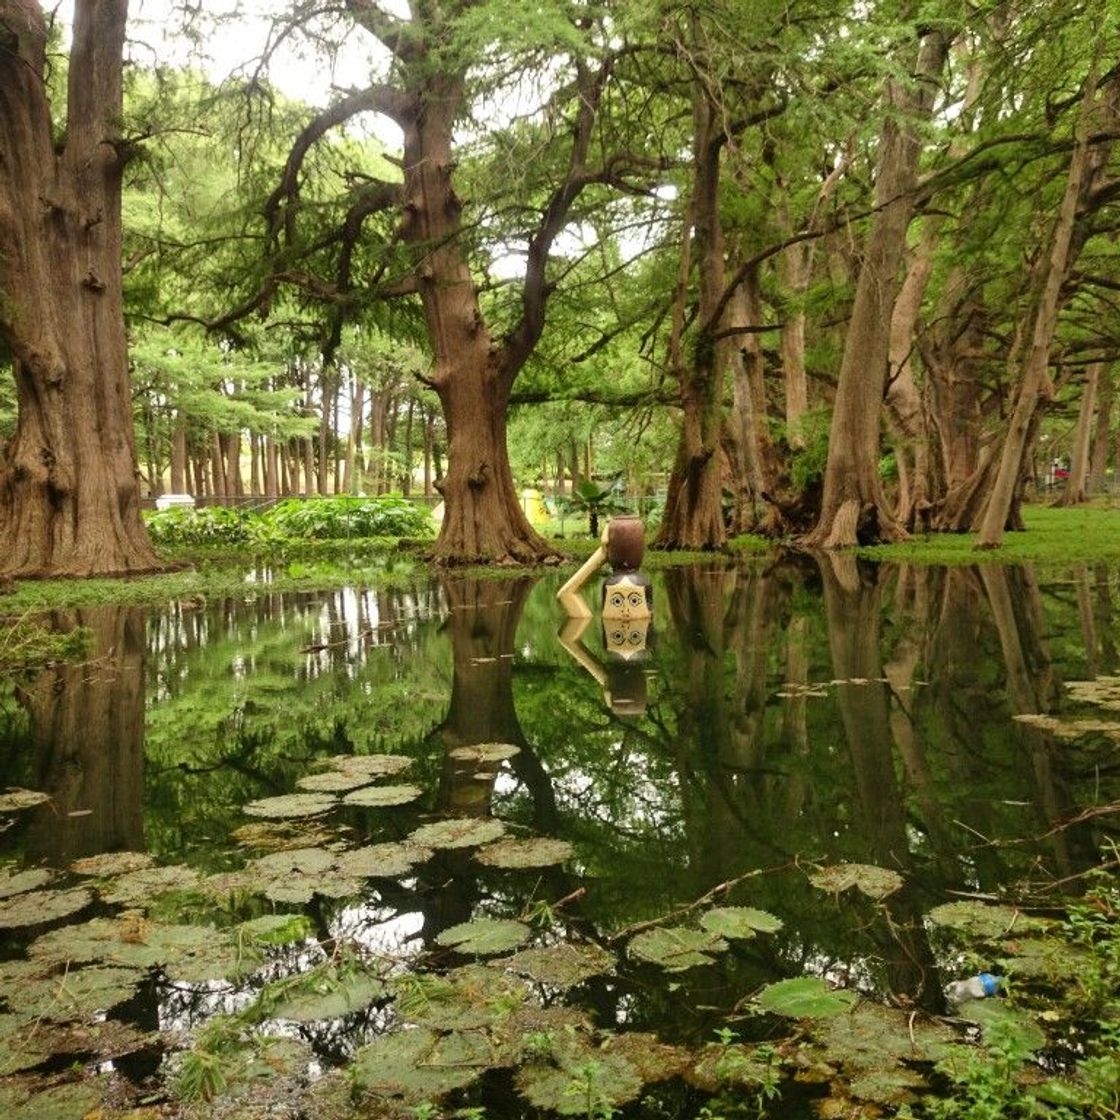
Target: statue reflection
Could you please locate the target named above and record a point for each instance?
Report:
(622, 674)
(87, 741)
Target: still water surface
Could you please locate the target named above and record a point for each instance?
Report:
(773, 720)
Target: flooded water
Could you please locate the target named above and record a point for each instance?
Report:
(707, 780)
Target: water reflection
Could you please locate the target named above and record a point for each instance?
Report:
(85, 745)
(793, 714)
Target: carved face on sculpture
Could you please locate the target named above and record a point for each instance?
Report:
(626, 638)
(626, 598)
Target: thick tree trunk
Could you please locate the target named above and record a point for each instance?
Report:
(693, 517)
(484, 521)
(854, 509)
(69, 492)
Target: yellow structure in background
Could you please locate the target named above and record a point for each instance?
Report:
(533, 505)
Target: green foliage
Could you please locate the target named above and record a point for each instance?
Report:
(337, 518)
(807, 462)
(210, 525)
(332, 518)
(594, 502)
(28, 643)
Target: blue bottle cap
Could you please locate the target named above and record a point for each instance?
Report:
(991, 983)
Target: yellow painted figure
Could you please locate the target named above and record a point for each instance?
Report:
(627, 611)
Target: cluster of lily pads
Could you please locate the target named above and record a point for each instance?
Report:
(489, 995)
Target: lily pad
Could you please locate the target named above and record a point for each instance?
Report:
(484, 752)
(874, 1037)
(982, 920)
(386, 861)
(652, 1059)
(559, 966)
(36, 908)
(484, 937)
(592, 1086)
(740, 922)
(466, 998)
(676, 948)
(1011, 1025)
(370, 766)
(294, 861)
(458, 832)
(376, 797)
(139, 887)
(875, 882)
(274, 929)
(14, 882)
(1046, 958)
(14, 799)
(187, 952)
(279, 836)
(292, 805)
(541, 852)
(327, 993)
(720, 1066)
(806, 997)
(112, 863)
(893, 1087)
(75, 994)
(415, 1064)
(71, 1100)
(333, 781)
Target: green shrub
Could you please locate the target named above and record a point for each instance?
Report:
(337, 518)
(212, 525)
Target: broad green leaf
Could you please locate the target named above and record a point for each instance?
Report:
(805, 997)
(75, 994)
(484, 937)
(386, 861)
(464, 832)
(112, 863)
(415, 1064)
(139, 887)
(592, 1086)
(324, 994)
(292, 805)
(983, 920)
(375, 797)
(36, 908)
(676, 948)
(369, 766)
(512, 854)
(484, 752)
(14, 882)
(559, 966)
(739, 922)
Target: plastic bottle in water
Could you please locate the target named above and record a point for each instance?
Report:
(975, 987)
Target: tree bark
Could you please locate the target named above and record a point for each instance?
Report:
(854, 509)
(69, 490)
(1075, 490)
(1098, 459)
(1033, 385)
(693, 517)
